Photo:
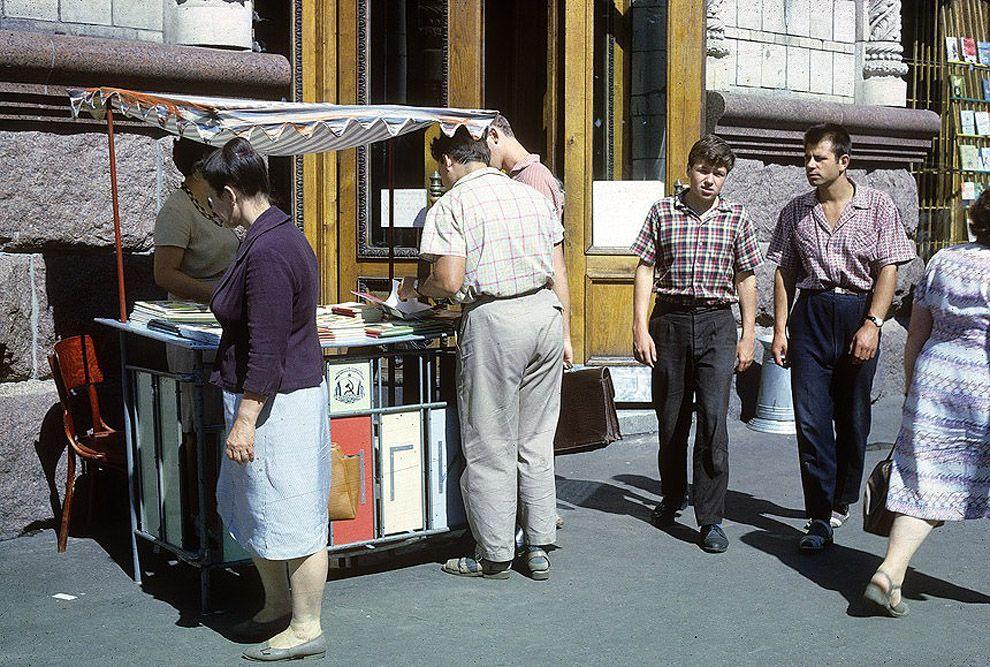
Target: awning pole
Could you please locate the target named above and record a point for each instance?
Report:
(116, 217)
(391, 213)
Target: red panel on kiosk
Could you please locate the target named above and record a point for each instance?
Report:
(353, 436)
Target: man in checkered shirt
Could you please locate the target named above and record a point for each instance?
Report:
(495, 246)
(840, 244)
(697, 253)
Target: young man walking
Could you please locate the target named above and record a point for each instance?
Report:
(840, 244)
(494, 245)
(697, 253)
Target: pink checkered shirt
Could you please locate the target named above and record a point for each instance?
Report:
(535, 174)
(867, 237)
(696, 257)
(505, 230)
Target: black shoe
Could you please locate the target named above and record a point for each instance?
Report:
(818, 537)
(664, 514)
(713, 539)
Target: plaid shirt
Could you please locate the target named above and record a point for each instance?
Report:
(867, 237)
(505, 230)
(697, 257)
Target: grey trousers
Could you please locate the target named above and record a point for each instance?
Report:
(509, 369)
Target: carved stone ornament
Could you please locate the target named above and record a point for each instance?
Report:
(884, 53)
(715, 29)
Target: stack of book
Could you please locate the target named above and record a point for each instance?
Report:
(387, 330)
(187, 312)
(366, 312)
(185, 319)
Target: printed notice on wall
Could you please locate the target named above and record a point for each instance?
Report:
(410, 208)
(618, 210)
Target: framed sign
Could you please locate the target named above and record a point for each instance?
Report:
(350, 386)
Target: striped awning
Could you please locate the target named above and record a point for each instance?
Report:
(275, 128)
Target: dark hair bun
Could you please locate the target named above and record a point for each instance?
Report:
(239, 166)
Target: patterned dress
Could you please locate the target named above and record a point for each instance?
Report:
(941, 467)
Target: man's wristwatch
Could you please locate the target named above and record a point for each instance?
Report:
(876, 320)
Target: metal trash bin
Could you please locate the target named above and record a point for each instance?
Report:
(774, 406)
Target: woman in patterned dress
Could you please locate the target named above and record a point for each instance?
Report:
(941, 466)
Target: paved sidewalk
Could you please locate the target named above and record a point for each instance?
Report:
(622, 592)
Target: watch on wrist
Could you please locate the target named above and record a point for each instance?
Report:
(876, 320)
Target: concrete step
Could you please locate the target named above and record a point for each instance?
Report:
(637, 422)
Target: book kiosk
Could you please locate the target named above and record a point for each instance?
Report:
(390, 404)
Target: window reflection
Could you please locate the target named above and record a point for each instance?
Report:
(406, 65)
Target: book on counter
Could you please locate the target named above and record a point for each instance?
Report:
(387, 330)
(173, 311)
(969, 52)
(983, 122)
(983, 51)
(967, 121)
(957, 85)
(969, 158)
(952, 49)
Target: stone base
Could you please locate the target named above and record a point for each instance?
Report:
(885, 91)
(32, 457)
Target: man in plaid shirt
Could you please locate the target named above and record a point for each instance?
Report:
(697, 253)
(840, 244)
(495, 246)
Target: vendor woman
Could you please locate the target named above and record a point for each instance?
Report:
(192, 251)
(192, 247)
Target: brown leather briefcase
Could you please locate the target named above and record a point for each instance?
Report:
(588, 419)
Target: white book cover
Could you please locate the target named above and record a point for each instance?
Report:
(985, 158)
(983, 122)
(968, 191)
(967, 121)
(952, 49)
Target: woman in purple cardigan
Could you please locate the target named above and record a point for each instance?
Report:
(275, 479)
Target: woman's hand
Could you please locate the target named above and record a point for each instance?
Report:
(240, 441)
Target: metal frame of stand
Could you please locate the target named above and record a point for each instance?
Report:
(209, 553)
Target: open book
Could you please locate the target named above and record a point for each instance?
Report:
(403, 310)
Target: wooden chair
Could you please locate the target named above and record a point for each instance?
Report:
(77, 373)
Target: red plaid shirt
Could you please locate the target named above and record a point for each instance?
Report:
(696, 257)
(867, 237)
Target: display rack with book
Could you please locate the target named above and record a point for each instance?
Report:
(950, 74)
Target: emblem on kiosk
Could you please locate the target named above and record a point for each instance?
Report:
(349, 386)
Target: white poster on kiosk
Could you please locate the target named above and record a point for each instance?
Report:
(401, 457)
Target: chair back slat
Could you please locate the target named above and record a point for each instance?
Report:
(77, 362)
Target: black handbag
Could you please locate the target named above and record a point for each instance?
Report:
(877, 519)
(588, 419)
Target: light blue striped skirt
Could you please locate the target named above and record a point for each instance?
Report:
(276, 506)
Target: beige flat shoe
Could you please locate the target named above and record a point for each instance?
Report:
(882, 599)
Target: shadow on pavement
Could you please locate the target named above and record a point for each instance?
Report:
(842, 569)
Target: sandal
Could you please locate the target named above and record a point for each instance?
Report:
(882, 599)
(537, 563)
(466, 566)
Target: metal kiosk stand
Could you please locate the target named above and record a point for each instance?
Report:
(406, 436)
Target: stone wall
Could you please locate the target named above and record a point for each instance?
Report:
(800, 47)
(112, 19)
(57, 263)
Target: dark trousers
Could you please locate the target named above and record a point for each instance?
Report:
(696, 353)
(831, 398)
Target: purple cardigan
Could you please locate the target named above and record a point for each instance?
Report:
(266, 304)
